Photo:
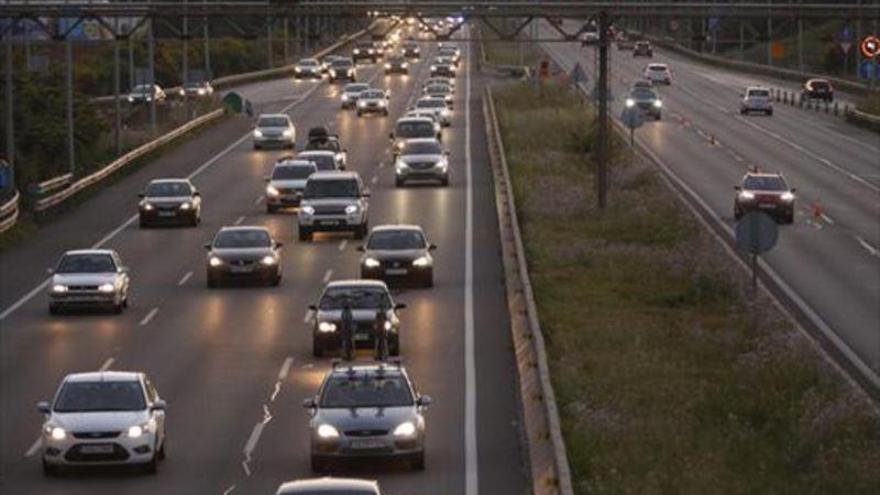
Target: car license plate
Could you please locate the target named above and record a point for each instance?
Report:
(367, 444)
(768, 206)
(240, 269)
(96, 449)
(395, 271)
(361, 337)
(330, 223)
(166, 213)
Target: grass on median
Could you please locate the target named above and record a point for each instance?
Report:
(664, 383)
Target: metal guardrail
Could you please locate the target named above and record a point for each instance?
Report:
(52, 184)
(53, 200)
(548, 461)
(9, 212)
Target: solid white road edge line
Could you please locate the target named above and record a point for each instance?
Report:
(472, 484)
(149, 316)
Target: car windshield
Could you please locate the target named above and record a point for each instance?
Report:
(415, 129)
(323, 144)
(143, 88)
(764, 183)
(397, 59)
(356, 88)
(396, 239)
(168, 189)
(341, 188)
(659, 68)
(447, 51)
(292, 172)
(324, 161)
(253, 238)
(437, 89)
(341, 64)
(643, 94)
(759, 93)
(86, 263)
(100, 396)
(272, 122)
(430, 104)
(195, 85)
(819, 84)
(366, 390)
(308, 62)
(373, 94)
(422, 148)
(363, 297)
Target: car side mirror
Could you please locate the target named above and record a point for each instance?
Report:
(391, 136)
(122, 269)
(365, 194)
(141, 195)
(159, 405)
(424, 400)
(432, 247)
(342, 167)
(267, 178)
(446, 153)
(279, 245)
(207, 246)
(793, 190)
(310, 403)
(313, 307)
(50, 271)
(400, 306)
(361, 249)
(197, 194)
(43, 407)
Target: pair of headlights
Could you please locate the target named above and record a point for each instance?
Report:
(631, 103)
(105, 288)
(58, 433)
(183, 206)
(403, 430)
(267, 260)
(786, 196)
(419, 262)
(349, 210)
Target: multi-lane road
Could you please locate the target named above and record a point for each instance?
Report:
(231, 359)
(830, 256)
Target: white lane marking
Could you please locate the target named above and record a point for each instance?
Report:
(239, 220)
(308, 317)
(308, 366)
(149, 316)
(470, 408)
(343, 244)
(34, 448)
(252, 441)
(258, 200)
(327, 275)
(107, 364)
(868, 247)
(382, 164)
(36, 290)
(247, 470)
(827, 219)
(374, 180)
(285, 368)
(184, 278)
(229, 490)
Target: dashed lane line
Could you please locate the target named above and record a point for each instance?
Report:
(185, 277)
(147, 319)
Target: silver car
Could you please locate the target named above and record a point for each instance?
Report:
(421, 159)
(367, 412)
(325, 160)
(398, 253)
(170, 200)
(756, 99)
(351, 92)
(366, 298)
(308, 68)
(197, 89)
(286, 184)
(89, 278)
(441, 80)
(443, 66)
(274, 130)
(333, 202)
(243, 253)
(438, 106)
(103, 418)
(439, 90)
(373, 101)
(145, 93)
(330, 486)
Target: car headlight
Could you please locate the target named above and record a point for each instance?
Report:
(787, 196)
(746, 195)
(333, 72)
(59, 288)
(327, 431)
(658, 103)
(433, 67)
(297, 69)
(307, 210)
(357, 51)
(271, 190)
(404, 65)
(185, 206)
(371, 263)
(287, 133)
(388, 325)
(444, 113)
(138, 431)
(148, 207)
(407, 429)
(326, 327)
(630, 103)
(56, 432)
(215, 261)
(362, 103)
(421, 262)
(382, 103)
(351, 209)
(202, 91)
(131, 99)
(268, 260)
(182, 92)
(387, 66)
(400, 166)
(345, 97)
(106, 288)
(258, 133)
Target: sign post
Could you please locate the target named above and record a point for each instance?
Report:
(632, 118)
(756, 233)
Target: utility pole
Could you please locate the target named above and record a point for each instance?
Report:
(117, 137)
(10, 119)
(286, 41)
(71, 157)
(131, 74)
(297, 36)
(602, 148)
(151, 52)
(800, 43)
(269, 41)
(206, 35)
(185, 62)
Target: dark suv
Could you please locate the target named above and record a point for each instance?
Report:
(364, 51)
(819, 89)
(643, 49)
(765, 192)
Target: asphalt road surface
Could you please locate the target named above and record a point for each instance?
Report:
(230, 359)
(830, 256)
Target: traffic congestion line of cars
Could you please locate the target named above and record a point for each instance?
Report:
(118, 418)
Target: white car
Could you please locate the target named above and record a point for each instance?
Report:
(436, 105)
(658, 74)
(421, 159)
(103, 418)
(286, 184)
(756, 99)
(325, 160)
(89, 278)
(373, 101)
(308, 68)
(145, 93)
(274, 129)
(351, 92)
(441, 80)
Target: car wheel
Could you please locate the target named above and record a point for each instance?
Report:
(319, 466)
(418, 463)
(212, 281)
(161, 452)
(360, 114)
(305, 234)
(194, 220)
(142, 223)
(394, 346)
(276, 280)
(54, 309)
(657, 117)
(49, 470)
(117, 308)
(445, 181)
(152, 466)
(398, 182)
(428, 279)
(385, 113)
(271, 209)
(361, 231)
(256, 146)
(789, 219)
(769, 113)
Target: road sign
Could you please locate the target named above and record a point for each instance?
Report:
(632, 117)
(713, 24)
(845, 34)
(756, 233)
(5, 176)
(870, 46)
(868, 70)
(845, 46)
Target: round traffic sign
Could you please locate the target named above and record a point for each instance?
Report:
(870, 46)
(756, 232)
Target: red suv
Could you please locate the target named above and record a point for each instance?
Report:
(764, 192)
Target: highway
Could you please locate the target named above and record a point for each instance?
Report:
(830, 256)
(235, 364)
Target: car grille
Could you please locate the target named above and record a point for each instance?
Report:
(242, 262)
(82, 288)
(75, 454)
(90, 435)
(330, 210)
(167, 207)
(421, 165)
(644, 105)
(365, 433)
(396, 263)
(288, 190)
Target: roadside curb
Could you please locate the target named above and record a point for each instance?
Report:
(547, 458)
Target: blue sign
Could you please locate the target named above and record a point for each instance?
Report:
(868, 70)
(714, 24)
(5, 175)
(845, 34)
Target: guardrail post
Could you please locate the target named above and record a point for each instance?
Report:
(185, 65)
(206, 36)
(117, 118)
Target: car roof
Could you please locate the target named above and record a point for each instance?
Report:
(333, 175)
(357, 283)
(422, 140)
(294, 163)
(169, 181)
(309, 60)
(392, 227)
(431, 98)
(242, 228)
(385, 369)
(750, 88)
(89, 251)
(280, 115)
(358, 84)
(104, 376)
(762, 174)
(325, 484)
(315, 152)
(415, 119)
(657, 65)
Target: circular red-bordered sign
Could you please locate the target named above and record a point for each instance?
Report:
(870, 46)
